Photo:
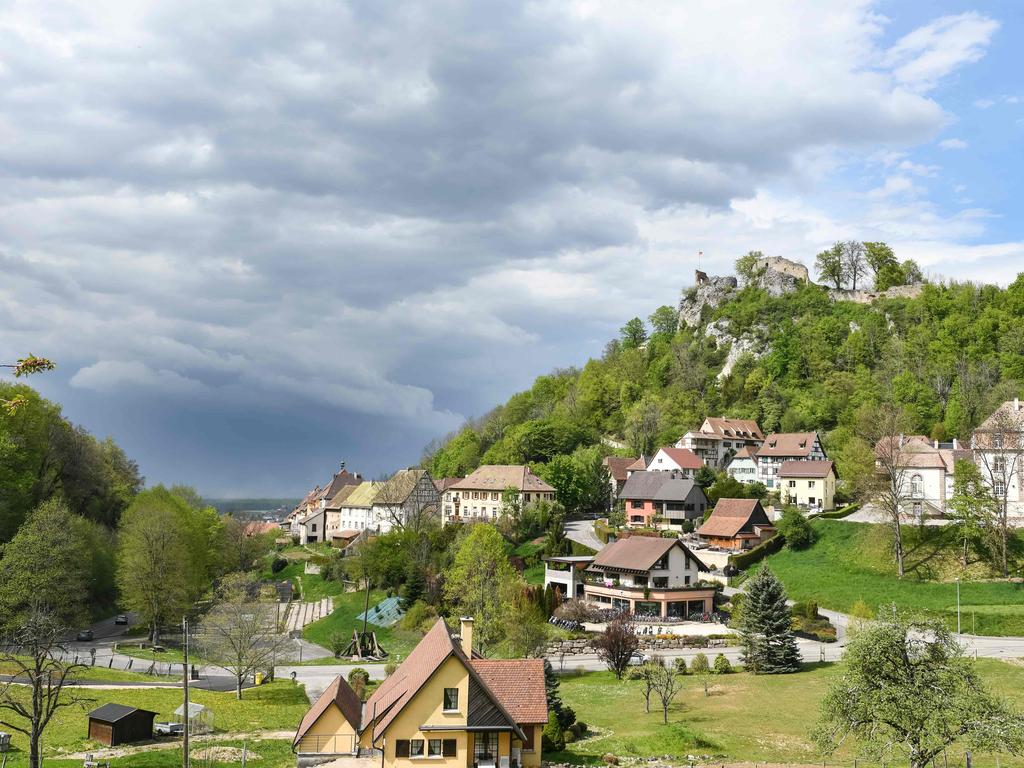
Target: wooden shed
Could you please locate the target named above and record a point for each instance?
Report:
(114, 724)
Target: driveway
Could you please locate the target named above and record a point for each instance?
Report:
(582, 532)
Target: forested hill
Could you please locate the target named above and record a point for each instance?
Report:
(800, 360)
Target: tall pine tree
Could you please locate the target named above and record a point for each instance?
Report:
(769, 646)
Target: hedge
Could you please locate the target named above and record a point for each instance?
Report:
(758, 553)
(840, 513)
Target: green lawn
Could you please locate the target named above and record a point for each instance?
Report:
(747, 718)
(853, 561)
(342, 620)
(100, 674)
(276, 706)
(272, 753)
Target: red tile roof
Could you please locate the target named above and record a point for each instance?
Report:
(618, 466)
(788, 444)
(498, 477)
(684, 457)
(518, 684)
(339, 692)
(731, 516)
(743, 428)
(639, 465)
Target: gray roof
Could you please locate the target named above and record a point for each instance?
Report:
(644, 485)
(678, 489)
(111, 713)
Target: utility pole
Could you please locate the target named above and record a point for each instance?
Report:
(184, 686)
(958, 605)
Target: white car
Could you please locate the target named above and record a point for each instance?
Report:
(638, 659)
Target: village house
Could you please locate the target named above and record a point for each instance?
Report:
(355, 512)
(780, 447)
(332, 512)
(808, 484)
(648, 576)
(998, 445)
(661, 499)
(308, 520)
(736, 524)
(671, 459)
(406, 499)
(479, 494)
(743, 465)
(718, 439)
(445, 704)
(618, 472)
(925, 471)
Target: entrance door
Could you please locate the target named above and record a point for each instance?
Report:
(485, 749)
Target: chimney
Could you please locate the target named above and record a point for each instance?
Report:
(343, 466)
(466, 634)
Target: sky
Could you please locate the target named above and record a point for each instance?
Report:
(263, 237)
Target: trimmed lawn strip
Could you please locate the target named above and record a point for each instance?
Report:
(342, 620)
(746, 718)
(852, 561)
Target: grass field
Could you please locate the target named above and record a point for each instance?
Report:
(853, 561)
(276, 706)
(343, 620)
(746, 718)
(100, 674)
(534, 574)
(271, 753)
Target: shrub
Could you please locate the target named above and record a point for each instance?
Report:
(567, 718)
(568, 737)
(278, 565)
(418, 615)
(722, 665)
(609, 759)
(699, 665)
(796, 529)
(553, 737)
(358, 674)
(806, 610)
(861, 610)
(680, 666)
(338, 643)
(695, 641)
(389, 668)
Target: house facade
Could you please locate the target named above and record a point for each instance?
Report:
(355, 511)
(925, 472)
(736, 524)
(683, 461)
(478, 496)
(717, 440)
(780, 447)
(743, 465)
(444, 704)
(618, 473)
(407, 498)
(808, 484)
(648, 576)
(998, 446)
(661, 500)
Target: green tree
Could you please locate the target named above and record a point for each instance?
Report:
(664, 321)
(701, 669)
(157, 560)
(722, 665)
(829, 264)
(633, 333)
(553, 738)
(705, 477)
(972, 507)
(796, 529)
(766, 629)
(47, 563)
(879, 257)
(907, 692)
(746, 266)
(481, 582)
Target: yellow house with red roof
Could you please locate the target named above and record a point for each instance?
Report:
(444, 704)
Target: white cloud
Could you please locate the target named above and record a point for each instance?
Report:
(984, 103)
(953, 144)
(927, 54)
(919, 169)
(893, 186)
(125, 375)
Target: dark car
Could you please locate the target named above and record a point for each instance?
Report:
(84, 636)
(121, 618)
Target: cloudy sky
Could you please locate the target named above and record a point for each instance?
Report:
(260, 237)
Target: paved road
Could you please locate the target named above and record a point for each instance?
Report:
(582, 531)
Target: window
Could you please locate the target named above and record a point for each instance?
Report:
(686, 581)
(485, 746)
(660, 582)
(494, 497)
(402, 748)
(448, 748)
(810, 483)
(636, 504)
(792, 483)
(999, 464)
(451, 699)
(433, 747)
(1000, 489)
(917, 486)
(313, 528)
(416, 748)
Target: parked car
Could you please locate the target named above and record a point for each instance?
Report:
(121, 618)
(638, 659)
(85, 636)
(168, 729)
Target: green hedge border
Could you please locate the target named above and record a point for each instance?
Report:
(839, 514)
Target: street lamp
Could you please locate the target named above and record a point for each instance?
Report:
(958, 605)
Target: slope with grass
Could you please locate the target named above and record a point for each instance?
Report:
(746, 718)
(343, 620)
(853, 561)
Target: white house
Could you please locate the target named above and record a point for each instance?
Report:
(743, 466)
(925, 472)
(406, 498)
(780, 447)
(998, 445)
(682, 461)
(719, 439)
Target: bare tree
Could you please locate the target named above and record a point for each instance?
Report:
(999, 452)
(408, 500)
(667, 685)
(886, 427)
(616, 645)
(36, 653)
(240, 634)
(645, 674)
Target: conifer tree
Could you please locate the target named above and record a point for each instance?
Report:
(769, 646)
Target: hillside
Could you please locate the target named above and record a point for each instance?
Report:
(857, 558)
(791, 354)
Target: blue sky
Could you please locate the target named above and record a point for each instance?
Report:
(263, 237)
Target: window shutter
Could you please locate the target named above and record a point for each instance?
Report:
(402, 748)
(448, 748)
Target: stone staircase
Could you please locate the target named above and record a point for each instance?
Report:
(302, 614)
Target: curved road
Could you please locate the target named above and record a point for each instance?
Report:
(582, 532)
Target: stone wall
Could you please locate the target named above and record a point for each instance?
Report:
(584, 646)
(866, 297)
(785, 266)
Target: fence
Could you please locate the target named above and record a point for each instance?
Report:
(118, 661)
